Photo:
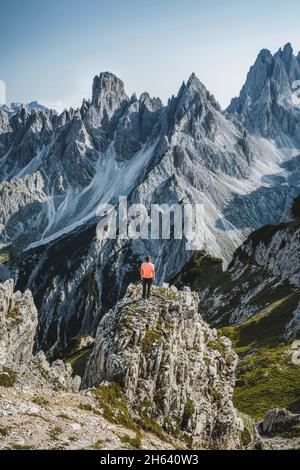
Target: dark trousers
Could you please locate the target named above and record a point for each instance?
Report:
(147, 283)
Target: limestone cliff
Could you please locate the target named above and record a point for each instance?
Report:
(172, 367)
(18, 323)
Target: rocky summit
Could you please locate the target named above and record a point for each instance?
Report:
(173, 368)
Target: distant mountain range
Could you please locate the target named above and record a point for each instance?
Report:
(243, 164)
(16, 107)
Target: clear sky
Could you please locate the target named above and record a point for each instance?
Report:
(51, 50)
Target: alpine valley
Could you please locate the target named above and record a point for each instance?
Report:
(213, 359)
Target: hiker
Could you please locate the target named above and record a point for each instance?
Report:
(147, 276)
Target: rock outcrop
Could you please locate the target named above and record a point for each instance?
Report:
(18, 323)
(18, 366)
(172, 367)
(41, 407)
(277, 421)
(279, 430)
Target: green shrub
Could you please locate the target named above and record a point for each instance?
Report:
(114, 404)
(150, 339)
(134, 442)
(7, 377)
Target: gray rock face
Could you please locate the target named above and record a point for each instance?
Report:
(21, 209)
(276, 249)
(83, 156)
(292, 328)
(172, 366)
(18, 324)
(266, 101)
(40, 405)
(108, 94)
(264, 275)
(272, 258)
(18, 321)
(39, 374)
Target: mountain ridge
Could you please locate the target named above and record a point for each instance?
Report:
(57, 169)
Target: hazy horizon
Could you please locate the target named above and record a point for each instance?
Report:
(52, 52)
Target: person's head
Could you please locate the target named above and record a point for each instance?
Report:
(148, 258)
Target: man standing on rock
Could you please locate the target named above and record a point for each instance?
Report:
(147, 276)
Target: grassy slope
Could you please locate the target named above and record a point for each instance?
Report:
(266, 377)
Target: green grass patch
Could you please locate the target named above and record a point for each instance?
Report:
(218, 346)
(189, 409)
(266, 380)
(114, 405)
(150, 339)
(4, 257)
(55, 433)
(89, 407)
(20, 447)
(41, 401)
(246, 435)
(265, 328)
(150, 425)
(200, 271)
(7, 377)
(98, 445)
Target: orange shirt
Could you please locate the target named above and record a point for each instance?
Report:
(147, 270)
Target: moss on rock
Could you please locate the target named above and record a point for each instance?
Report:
(7, 377)
(150, 339)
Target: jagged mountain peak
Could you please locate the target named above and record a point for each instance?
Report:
(285, 52)
(119, 147)
(109, 99)
(154, 102)
(264, 54)
(265, 104)
(194, 87)
(194, 80)
(108, 85)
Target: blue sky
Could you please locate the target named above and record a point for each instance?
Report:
(50, 51)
